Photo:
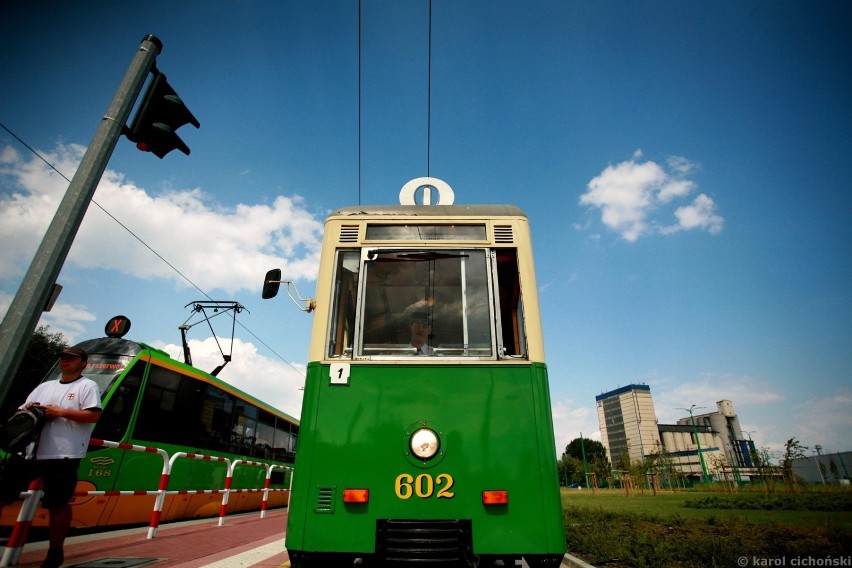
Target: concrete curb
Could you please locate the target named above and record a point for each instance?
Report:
(575, 562)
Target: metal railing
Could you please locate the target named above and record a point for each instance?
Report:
(32, 496)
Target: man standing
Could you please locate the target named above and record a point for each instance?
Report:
(70, 405)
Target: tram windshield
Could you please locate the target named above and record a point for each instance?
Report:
(423, 302)
(103, 369)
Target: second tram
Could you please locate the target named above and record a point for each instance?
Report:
(152, 400)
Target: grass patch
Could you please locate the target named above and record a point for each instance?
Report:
(776, 501)
(703, 529)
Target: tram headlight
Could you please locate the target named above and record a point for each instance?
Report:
(424, 443)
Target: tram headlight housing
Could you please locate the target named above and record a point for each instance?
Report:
(424, 443)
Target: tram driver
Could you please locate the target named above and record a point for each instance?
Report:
(421, 331)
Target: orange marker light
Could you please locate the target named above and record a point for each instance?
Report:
(500, 497)
(356, 495)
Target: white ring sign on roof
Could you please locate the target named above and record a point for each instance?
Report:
(408, 193)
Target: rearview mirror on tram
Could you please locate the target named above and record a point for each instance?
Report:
(271, 284)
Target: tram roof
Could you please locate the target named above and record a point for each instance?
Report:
(111, 346)
(430, 211)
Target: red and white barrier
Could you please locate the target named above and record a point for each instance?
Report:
(164, 484)
(266, 483)
(32, 497)
(18, 538)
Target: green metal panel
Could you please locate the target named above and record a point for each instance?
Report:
(495, 426)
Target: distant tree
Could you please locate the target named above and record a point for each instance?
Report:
(793, 450)
(593, 448)
(571, 463)
(40, 356)
(623, 461)
(570, 470)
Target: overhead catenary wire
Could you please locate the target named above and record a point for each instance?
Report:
(359, 103)
(429, 100)
(146, 245)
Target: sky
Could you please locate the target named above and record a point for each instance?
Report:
(685, 167)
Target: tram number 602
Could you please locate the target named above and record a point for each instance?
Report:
(424, 486)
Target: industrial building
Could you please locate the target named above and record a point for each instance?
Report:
(824, 468)
(703, 446)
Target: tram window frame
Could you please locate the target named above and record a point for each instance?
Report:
(342, 318)
(427, 232)
(347, 317)
(118, 412)
(170, 410)
(512, 317)
(264, 443)
(244, 428)
(452, 287)
(217, 416)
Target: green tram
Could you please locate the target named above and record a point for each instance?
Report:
(152, 400)
(437, 455)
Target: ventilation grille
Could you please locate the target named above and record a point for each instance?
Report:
(503, 234)
(423, 543)
(325, 499)
(349, 234)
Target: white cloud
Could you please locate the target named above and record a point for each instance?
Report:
(826, 421)
(710, 388)
(681, 164)
(625, 194)
(674, 189)
(215, 247)
(69, 320)
(700, 215)
(631, 196)
(570, 420)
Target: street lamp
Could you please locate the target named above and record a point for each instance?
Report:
(697, 441)
(816, 452)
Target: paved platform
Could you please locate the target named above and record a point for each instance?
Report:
(244, 540)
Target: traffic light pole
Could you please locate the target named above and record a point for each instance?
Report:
(35, 290)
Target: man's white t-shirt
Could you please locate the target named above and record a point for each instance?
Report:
(63, 438)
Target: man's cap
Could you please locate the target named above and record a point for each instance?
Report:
(76, 352)
(419, 316)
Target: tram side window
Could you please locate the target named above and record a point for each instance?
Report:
(265, 435)
(119, 408)
(171, 409)
(244, 431)
(511, 307)
(342, 327)
(285, 440)
(217, 417)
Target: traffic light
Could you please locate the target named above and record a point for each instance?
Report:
(159, 116)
